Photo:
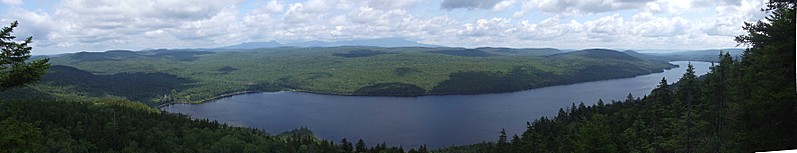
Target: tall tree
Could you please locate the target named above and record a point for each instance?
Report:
(15, 69)
(661, 99)
(768, 111)
(360, 146)
(503, 144)
(688, 93)
(346, 146)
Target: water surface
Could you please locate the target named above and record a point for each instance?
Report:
(436, 121)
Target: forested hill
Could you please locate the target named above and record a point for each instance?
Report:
(597, 53)
(198, 75)
(744, 104)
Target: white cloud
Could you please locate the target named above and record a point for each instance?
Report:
(76, 25)
(390, 4)
(12, 2)
(585, 6)
(469, 4)
(495, 27)
(503, 5)
(273, 7)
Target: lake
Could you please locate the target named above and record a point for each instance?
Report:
(437, 121)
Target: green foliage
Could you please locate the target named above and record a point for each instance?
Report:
(403, 71)
(359, 53)
(464, 52)
(598, 53)
(134, 86)
(594, 136)
(198, 75)
(491, 82)
(768, 107)
(15, 69)
(19, 136)
(226, 69)
(392, 89)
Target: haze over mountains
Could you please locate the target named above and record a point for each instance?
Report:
(711, 55)
(379, 42)
(707, 54)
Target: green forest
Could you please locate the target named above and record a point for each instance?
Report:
(744, 104)
(189, 76)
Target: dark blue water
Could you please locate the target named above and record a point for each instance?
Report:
(436, 121)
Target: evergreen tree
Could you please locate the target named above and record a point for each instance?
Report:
(423, 149)
(15, 69)
(656, 110)
(515, 144)
(360, 146)
(688, 93)
(503, 144)
(594, 136)
(346, 146)
(769, 72)
(19, 136)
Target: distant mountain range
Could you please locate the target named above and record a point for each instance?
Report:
(711, 55)
(379, 42)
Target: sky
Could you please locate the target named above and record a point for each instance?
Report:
(63, 26)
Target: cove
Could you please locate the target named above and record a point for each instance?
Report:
(437, 121)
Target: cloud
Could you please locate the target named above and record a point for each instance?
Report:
(77, 25)
(12, 2)
(97, 24)
(390, 4)
(726, 23)
(500, 6)
(469, 4)
(487, 27)
(586, 6)
(659, 26)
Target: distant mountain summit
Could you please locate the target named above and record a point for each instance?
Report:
(710, 55)
(379, 42)
(252, 45)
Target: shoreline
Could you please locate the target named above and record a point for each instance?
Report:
(354, 94)
(209, 99)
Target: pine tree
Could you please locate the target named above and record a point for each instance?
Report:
(360, 146)
(515, 143)
(346, 146)
(688, 93)
(15, 69)
(769, 109)
(594, 136)
(503, 144)
(657, 108)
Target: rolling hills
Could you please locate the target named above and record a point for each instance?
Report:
(160, 76)
(379, 42)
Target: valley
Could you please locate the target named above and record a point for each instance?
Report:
(191, 76)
